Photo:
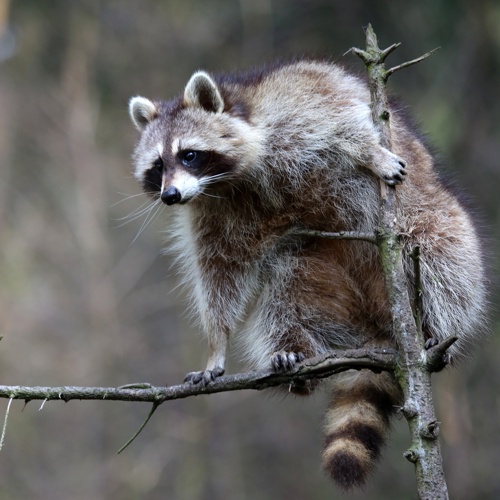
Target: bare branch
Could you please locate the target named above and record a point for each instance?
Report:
(341, 235)
(388, 50)
(391, 71)
(412, 371)
(372, 54)
(320, 367)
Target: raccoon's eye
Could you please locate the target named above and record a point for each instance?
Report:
(193, 159)
(189, 156)
(158, 164)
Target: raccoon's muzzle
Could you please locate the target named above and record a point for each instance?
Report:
(171, 195)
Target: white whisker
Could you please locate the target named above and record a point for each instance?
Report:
(215, 178)
(212, 195)
(136, 214)
(126, 198)
(151, 214)
(225, 176)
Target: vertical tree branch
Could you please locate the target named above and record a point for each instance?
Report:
(412, 373)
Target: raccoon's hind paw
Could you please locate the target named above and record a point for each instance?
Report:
(284, 361)
(389, 167)
(440, 364)
(204, 377)
(431, 342)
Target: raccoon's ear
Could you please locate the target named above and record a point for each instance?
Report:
(142, 111)
(202, 92)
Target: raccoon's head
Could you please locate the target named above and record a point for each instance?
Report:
(198, 144)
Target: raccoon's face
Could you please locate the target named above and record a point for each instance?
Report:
(193, 145)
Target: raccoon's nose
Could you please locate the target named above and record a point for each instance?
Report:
(171, 195)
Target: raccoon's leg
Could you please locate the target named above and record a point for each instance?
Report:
(356, 138)
(274, 337)
(452, 274)
(217, 347)
(357, 422)
(305, 309)
(220, 293)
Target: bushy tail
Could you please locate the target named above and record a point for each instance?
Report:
(357, 423)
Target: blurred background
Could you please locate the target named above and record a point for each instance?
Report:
(83, 301)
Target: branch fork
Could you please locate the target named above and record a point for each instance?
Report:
(413, 374)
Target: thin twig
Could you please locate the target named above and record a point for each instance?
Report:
(132, 439)
(4, 427)
(391, 71)
(389, 50)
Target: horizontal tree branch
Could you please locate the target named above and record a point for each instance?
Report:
(340, 235)
(320, 367)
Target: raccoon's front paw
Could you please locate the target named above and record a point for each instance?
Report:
(204, 377)
(389, 167)
(284, 361)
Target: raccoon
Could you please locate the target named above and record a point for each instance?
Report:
(246, 159)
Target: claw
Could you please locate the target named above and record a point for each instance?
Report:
(203, 378)
(389, 167)
(284, 361)
(431, 342)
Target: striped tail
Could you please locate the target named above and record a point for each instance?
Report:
(357, 423)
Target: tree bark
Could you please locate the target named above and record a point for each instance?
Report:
(412, 371)
(320, 367)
